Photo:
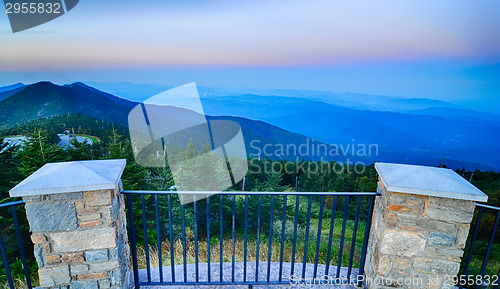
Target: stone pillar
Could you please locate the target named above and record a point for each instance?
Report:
(77, 218)
(420, 226)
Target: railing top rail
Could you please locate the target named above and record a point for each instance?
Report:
(252, 193)
(11, 204)
(488, 206)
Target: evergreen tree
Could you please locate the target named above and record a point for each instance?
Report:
(36, 151)
(81, 150)
(196, 171)
(273, 184)
(9, 172)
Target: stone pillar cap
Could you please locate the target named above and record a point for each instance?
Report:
(427, 181)
(67, 177)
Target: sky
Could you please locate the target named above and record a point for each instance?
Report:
(447, 50)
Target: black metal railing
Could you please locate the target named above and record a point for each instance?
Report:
(260, 237)
(10, 257)
(478, 270)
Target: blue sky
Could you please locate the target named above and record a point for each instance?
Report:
(448, 50)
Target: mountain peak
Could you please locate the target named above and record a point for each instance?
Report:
(45, 99)
(42, 84)
(13, 88)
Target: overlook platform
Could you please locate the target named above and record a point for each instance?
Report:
(238, 268)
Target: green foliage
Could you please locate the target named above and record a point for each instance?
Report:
(10, 241)
(9, 172)
(74, 123)
(200, 171)
(272, 184)
(79, 151)
(38, 150)
(290, 232)
(17, 271)
(134, 175)
(488, 182)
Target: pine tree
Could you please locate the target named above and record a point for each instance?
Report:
(36, 151)
(9, 172)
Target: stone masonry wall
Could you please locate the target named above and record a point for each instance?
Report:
(80, 239)
(415, 237)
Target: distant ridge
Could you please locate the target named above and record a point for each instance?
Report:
(12, 86)
(7, 91)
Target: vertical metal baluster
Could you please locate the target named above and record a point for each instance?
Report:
(497, 284)
(306, 243)
(183, 220)
(20, 245)
(342, 237)
(221, 263)
(283, 221)
(258, 240)
(246, 241)
(270, 240)
(318, 239)
(131, 230)
(490, 245)
(233, 237)
(6, 263)
(472, 243)
(158, 237)
(296, 221)
(330, 236)
(171, 229)
(208, 240)
(145, 231)
(197, 269)
(365, 241)
(353, 242)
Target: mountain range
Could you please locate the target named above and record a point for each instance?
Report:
(45, 99)
(417, 131)
(424, 137)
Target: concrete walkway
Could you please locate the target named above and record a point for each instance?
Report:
(251, 270)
